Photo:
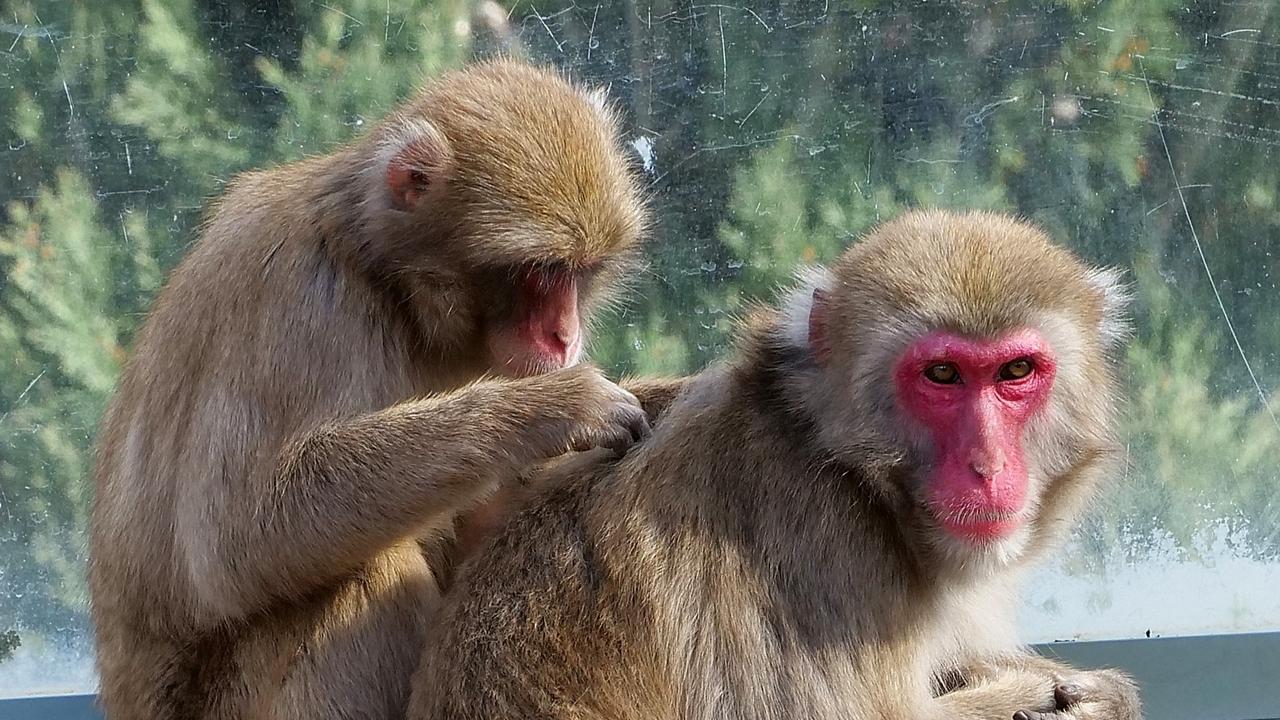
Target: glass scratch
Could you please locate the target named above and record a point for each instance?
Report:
(1204, 261)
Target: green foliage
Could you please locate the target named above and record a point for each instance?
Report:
(59, 333)
(356, 64)
(1197, 457)
(779, 133)
(180, 94)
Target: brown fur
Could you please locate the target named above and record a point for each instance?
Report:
(305, 404)
(762, 556)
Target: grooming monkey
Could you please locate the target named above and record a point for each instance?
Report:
(830, 524)
(359, 347)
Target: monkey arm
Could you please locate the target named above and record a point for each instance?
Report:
(654, 393)
(482, 522)
(996, 694)
(347, 490)
(1078, 694)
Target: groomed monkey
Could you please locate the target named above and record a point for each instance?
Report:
(359, 347)
(832, 523)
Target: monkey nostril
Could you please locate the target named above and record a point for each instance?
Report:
(557, 343)
(569, 339)
(564, 337)
(553, 346)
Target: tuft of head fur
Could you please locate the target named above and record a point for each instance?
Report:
(536, 170)
(975, 273)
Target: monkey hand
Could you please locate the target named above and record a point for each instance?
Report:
(654, 393)
(1091, 695)
(582, 409)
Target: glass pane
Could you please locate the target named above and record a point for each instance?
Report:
(1142, 133)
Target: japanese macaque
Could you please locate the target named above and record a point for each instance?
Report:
(359, 347)
(830, 524)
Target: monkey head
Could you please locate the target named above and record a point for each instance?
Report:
(508, 188)
(968, 355)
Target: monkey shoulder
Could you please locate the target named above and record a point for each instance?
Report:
(562, 588)
(544, 544)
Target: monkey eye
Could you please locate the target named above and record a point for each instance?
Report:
(942, 374)
(1017, 369)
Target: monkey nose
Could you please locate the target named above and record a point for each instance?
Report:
(987, 463)
(570, 341)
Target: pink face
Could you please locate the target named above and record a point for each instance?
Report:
(974, 397)
(545, 333)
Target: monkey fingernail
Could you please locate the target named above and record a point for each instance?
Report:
(617, 440)
(1021, 715)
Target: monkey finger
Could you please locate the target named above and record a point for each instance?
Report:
(1033, 715)
(1067, 694)
(638, 424)
(1099, 710)
(616, 439)
(626, 396)
(583, 443)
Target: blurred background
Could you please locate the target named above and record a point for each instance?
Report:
(1142, 133)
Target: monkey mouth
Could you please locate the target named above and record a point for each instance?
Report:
(530, 364)
(526, 367)
(978, 525)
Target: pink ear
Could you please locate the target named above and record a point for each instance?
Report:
(818, 341)
(418, 166)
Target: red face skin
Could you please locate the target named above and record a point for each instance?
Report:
(546, 332)
(978, 485)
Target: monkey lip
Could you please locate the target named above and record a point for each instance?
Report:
(529, 366)
(979, 525)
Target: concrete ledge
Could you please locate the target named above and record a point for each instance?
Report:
(1206, 677)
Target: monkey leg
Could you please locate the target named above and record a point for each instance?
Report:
(355, 658)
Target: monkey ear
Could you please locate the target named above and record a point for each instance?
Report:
(416, 163)
(819, 313)
(598, 98)
(599, 101)
(1116, 296)
(806, 313)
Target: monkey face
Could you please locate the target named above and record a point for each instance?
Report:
(975, 398)
(968, 354)
(539, 327)
(513, 183)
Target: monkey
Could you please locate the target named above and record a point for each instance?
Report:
(359, 349)
(831, 522)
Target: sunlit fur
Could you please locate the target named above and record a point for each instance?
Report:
(532, 178)
(764, 555)
(516, 163)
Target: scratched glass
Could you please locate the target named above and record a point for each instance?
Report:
(1143, 133)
